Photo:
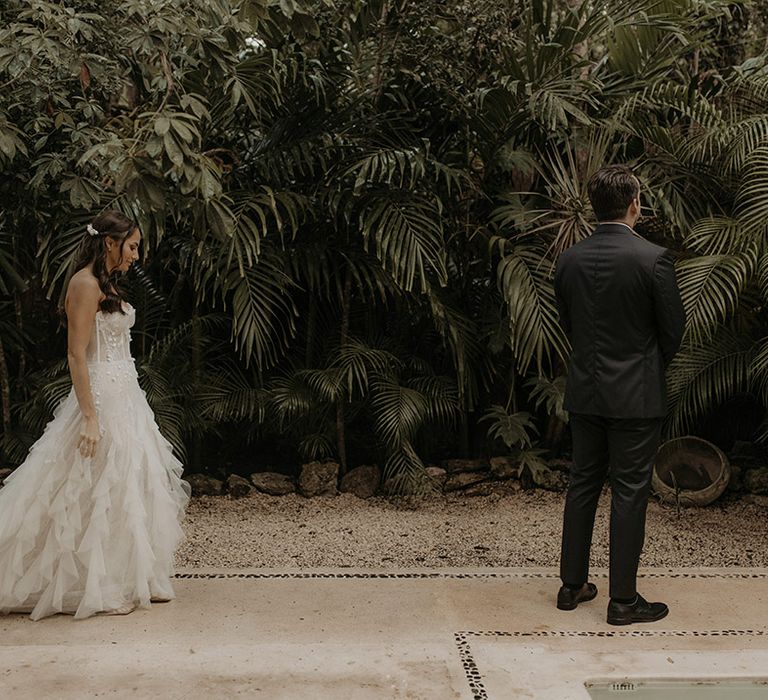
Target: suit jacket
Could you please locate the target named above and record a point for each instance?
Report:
(620, 307)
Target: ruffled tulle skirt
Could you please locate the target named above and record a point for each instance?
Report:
(82, 535)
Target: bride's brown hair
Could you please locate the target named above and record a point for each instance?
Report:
(117, 226)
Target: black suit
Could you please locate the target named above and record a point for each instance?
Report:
(620, 307)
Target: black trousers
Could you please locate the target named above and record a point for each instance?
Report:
(625, 449)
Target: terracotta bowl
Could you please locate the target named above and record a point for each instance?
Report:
(690, 471)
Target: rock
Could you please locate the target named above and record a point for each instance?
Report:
(560, 465)
(756, 480)
(735, 480)
(748, 454)
(560, 482)
(361, 481)
(463, 480)
(504, 468)
(458, 466)
(526, 479)
(4, 474)
(481, 489)
(552, 480)
(756, 500)
(273, 483)
(437, 476)
(417, 491)
(237, 487)
(204, 485)
(318, 479)
(390, 488)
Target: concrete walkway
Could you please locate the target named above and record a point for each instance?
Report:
(468, 634)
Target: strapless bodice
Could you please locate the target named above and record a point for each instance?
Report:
(111, 336)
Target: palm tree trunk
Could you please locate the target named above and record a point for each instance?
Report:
(555, 430)
(197, 441)
(464, 419)
(340, 419)
(553, 436)
(20, 326)
(5, 391)
(379, 68)
(512, 399)
(581, 49)
(311, 325)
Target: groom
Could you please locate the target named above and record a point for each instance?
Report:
(620, 307)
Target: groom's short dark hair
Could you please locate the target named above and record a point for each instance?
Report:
(611, 191)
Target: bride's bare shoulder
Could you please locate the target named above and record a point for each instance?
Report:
(83, 288)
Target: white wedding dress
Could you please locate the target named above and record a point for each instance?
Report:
(84, 535)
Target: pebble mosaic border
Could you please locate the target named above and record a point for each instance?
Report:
(453, 575)
(462, 639)
(475, 679)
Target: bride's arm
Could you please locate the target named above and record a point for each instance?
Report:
(81, 305)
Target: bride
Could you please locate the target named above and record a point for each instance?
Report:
(90, 521)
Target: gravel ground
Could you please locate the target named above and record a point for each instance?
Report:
(506, 528)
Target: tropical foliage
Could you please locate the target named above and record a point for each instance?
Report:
(351, 210)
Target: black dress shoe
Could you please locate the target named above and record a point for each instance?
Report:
(639, 611)
(569, 598)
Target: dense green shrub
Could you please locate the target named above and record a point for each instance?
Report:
(351, 210)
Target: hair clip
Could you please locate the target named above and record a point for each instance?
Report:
(91, 231)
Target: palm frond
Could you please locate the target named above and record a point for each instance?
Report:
(256, 81)
(357, 363)
(710, 287)
(460, 333)
(759, 382)
(514, 429)
(752, 196)
(442, 397)
(168, 347)
(326, 382)
(762, 276)
(702, 377)
(742, 138)
(228, 396)
(10, 279)
(719, 235)
(404, 472)
(532, 460)
(290, 398)
(566, 215)
(401, 168)
(164, 401)
(758, 369)
(316, 446)
(407, 235)
(549, 393)
(263, 312)
(53, 389)
(398, 411)
(524, 278)
(255, 214)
